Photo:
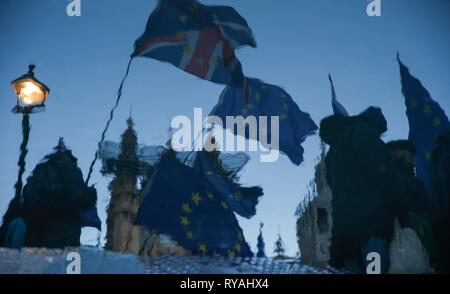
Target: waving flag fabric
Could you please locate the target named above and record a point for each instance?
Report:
(338, 108)
(241, 200)
(180, 202)
(89, 218)
(269, 100)
(197, 38)
(426, 121)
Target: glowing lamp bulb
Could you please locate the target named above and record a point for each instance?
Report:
(31, 94)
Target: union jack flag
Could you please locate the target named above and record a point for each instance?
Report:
(198, 39)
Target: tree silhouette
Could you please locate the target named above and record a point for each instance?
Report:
(279, 248)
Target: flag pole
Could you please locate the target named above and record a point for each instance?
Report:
(111, 116)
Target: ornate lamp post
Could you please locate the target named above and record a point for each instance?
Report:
(31, 96)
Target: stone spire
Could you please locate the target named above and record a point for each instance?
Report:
(122, 235)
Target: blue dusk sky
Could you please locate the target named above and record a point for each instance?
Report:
(83, 59)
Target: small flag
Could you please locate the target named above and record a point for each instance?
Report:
(338, 108)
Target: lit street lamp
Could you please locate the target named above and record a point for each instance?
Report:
(31, 96)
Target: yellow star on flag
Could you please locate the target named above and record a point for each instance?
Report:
(426, 109)
(202, 247)
(196, 198)
(436, 121)
(186, 208)
(413, 103)
(224, 204)
(183, 18)
(186, 49)
(231, 254)
(210, 196)
(189, 235)
(184, 220)
(257, 97)
(237, 247)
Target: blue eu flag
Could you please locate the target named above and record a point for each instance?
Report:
(426, 121)
(241, 200)
(269, 100)
(180, 202)
(198, 39)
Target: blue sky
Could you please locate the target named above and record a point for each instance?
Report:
(82, 60)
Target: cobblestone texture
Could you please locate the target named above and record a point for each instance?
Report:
(99, 261)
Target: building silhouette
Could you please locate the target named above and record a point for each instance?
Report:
(315, 222)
